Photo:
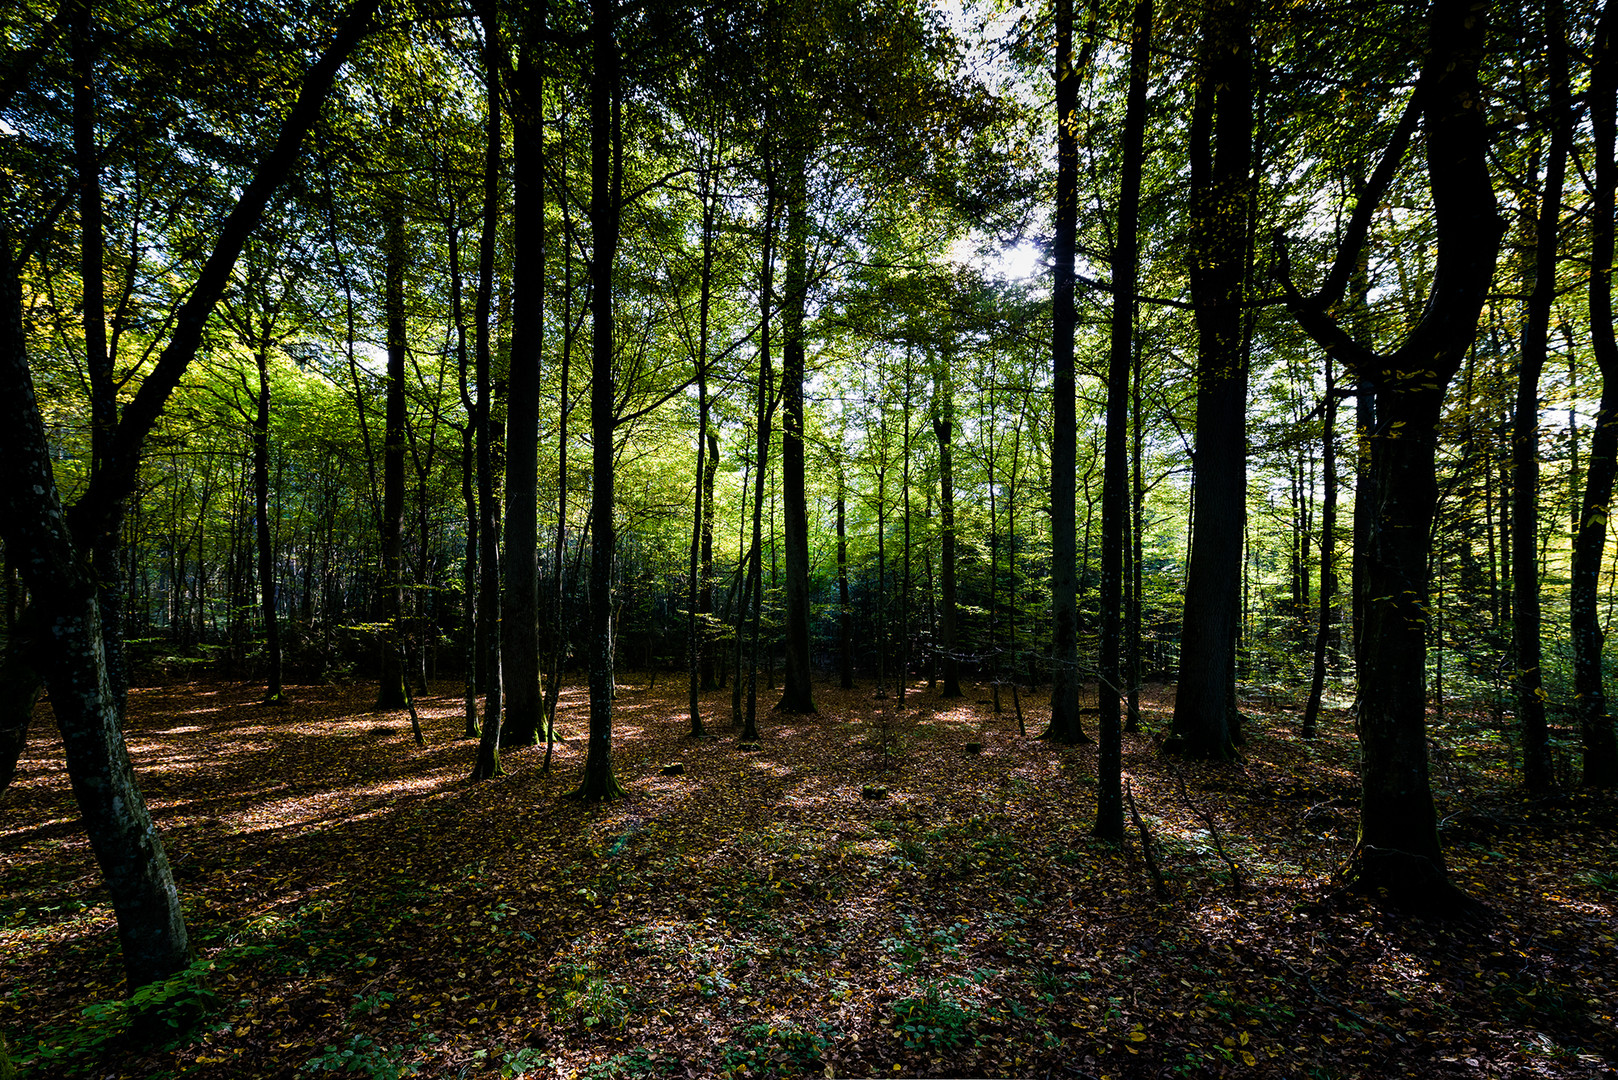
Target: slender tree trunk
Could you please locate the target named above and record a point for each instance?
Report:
(390, 691)
(521, 697)
(606, 177)
(710, 670)
(488, 759)
(1589, 691)
(698, 590)
(943, 429)
(1328, 557)
(273, 694)
(1109, 824)
(753, 594)
(845, 614)
(469, 563)
(1525, 488)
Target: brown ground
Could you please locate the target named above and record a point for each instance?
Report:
(756, 916)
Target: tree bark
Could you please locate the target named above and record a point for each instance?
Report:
(1398, 847)
(521, 697)
(1221, 160)
(1109, 824)
(1328, 557)
(1065, 724)
(606, 178)
(943, 430)
(390, 691)
(798, 690)
(1600, 744)
(1525, 425)
(273, 694)
(488, 759)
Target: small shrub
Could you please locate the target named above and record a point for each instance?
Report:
(784, 1050)
(934, 1023)
(362, 1055)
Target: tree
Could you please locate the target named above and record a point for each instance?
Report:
(53, 541)
(1220, 146)
(1398, 846)
(1589, 691)
(1115, 480)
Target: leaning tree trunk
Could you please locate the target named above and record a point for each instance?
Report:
(1589, 690)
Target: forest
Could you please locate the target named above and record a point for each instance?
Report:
(625, 539)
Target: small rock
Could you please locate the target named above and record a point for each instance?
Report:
(674, 769)
(974, 748)
(873, 792)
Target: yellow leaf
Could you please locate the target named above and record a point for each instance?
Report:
(1248, 1058)
(1137, 1036)
(1244, 1038)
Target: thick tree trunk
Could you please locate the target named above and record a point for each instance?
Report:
(1065, 722)
(798, 691)
(1589, 689)
(521, 697)
(606, 173)
(1398, 846)
(1221, 159)
(1109, 824)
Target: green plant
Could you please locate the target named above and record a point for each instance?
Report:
(364, 1056)
(934, 1022)
(777, 1050)
(515, 1064)
(596, 1001)
(164, 1014)
(365, 1004)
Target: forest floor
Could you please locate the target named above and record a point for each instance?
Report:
(362, 909)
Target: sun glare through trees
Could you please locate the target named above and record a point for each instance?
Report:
(590, 539)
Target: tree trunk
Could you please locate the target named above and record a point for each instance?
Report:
(1109, 824)
(273, 694)
(1398, 846)
(1589, 691)
(943, 428)
(1065, 721)
(1328, 557)
(1221, 158)
(606, 176)
(798, 691)
(698, 590)
(390, 691)
(488, 759)
(845, 614)
(710, 670)
(753, 591)
(519, 612)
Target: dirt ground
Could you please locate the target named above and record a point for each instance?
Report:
(361, 908)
